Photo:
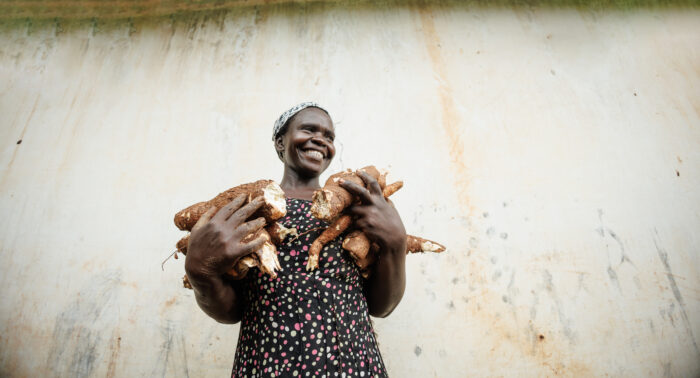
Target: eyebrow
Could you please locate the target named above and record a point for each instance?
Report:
(316, 126)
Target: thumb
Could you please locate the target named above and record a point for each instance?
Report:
(204, 219)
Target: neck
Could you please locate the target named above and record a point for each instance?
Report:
(298, 186)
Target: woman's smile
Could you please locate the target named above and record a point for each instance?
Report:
(312, 154)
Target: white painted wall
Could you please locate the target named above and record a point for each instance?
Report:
(555, 151)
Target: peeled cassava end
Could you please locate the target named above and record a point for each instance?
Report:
(240, 270)
(275, 206)
(278, 232)
(416, 244)
(267, 254)
(321, 205)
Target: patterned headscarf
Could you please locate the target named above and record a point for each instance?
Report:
(282, 120)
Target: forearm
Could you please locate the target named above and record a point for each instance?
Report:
(387, 282)
(216, 297)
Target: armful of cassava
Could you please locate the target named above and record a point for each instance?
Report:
(381, 223)
(217, 242)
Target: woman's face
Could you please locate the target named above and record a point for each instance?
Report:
(307, 145)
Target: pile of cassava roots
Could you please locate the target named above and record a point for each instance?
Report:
(328, 204)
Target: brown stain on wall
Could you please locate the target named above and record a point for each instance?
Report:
(550, 350)
(551, 353)
(113, 356)
(450, 118)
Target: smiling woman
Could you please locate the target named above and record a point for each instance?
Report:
(304, 142)
(301, 323)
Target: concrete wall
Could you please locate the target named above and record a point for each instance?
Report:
(555, 151)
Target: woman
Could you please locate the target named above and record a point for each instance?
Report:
(301, 323)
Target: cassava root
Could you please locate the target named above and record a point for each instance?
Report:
(274, 207)
(328, 204)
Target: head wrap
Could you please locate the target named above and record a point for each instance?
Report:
(286, 116)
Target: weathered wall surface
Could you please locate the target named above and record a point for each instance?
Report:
(555, 151)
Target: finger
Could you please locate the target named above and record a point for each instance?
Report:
(204, 219)
(254, 244)
(357, 190)
(358, 211)
(251, 227)
(370, 182)
(245, 212)
(230, 208)
(362, 224)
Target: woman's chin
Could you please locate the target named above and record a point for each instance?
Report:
(313, 169)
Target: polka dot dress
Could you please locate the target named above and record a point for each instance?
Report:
(307, 324)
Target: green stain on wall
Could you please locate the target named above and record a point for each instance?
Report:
(124, 9)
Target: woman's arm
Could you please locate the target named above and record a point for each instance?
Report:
(216, 244)
(380, 221)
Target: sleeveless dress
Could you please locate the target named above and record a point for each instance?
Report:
(307, 324)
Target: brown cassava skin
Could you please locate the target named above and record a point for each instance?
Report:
(185, 219)
(182, 244)
(332, 199)
(274, 233)
(357, 244)
(390, 189)
(333, 231)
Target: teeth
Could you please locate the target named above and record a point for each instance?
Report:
(314, 154)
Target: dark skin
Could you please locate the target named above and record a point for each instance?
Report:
(216, 241)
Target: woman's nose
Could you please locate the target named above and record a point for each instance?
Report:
(318, 139)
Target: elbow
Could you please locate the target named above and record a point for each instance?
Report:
(381, 314)
(223, 318)
(382, 311)
(226, 320)
(221, 315)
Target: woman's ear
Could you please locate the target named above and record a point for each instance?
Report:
(279, 147)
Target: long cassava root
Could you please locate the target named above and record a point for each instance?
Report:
(274, 207)
(329, 203)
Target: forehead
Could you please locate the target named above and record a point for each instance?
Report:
(312, 115)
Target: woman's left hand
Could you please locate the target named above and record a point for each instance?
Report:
(376, 216)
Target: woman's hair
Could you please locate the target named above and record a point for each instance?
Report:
(282, 123)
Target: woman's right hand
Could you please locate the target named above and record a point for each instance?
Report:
(216, 242)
